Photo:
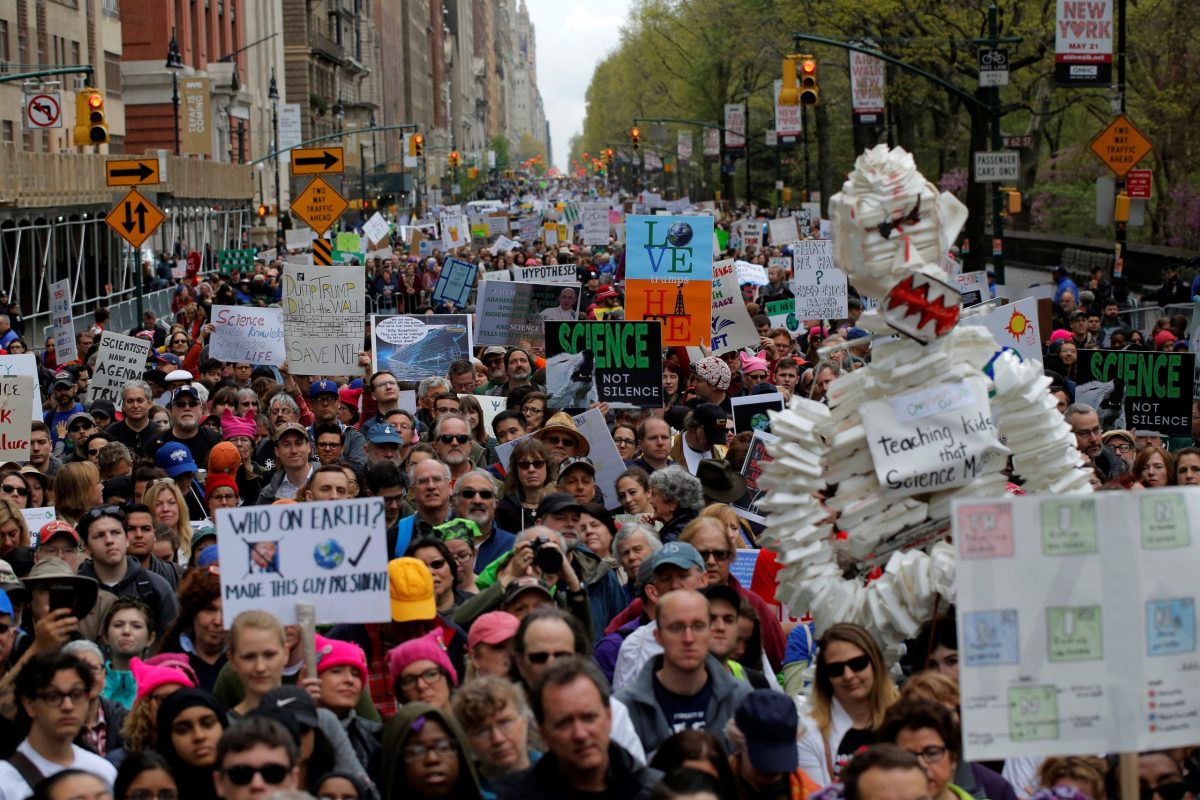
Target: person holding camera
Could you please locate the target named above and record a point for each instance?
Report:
(539, 553)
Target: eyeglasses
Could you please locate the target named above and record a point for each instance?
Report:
(394, 500)
(179, 341)
(243, 774)
(532, 410)
(679, 628)
(186, 403)
(471, 494)
(931, 754)
(1123, 448)
(620, 440)
(19, 491)
(146, 794)
(838, 668)
(720, 556)
(58, 552)
(552, 439)
(328, 445)
(95, 451)
(1096, 431)
(428, 677)
(463, 558)
(431, 479)
(55, 698)
(539, 464)
(104, 511)
(443, 747)
(542, 658)
(461, 438)
(504, 726)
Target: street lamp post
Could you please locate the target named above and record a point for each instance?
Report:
(174, 63)
(273, 96)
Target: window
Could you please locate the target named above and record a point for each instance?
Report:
(6, 131)
(75, 54)
(112, 8)
(5, 54)
(112, 74)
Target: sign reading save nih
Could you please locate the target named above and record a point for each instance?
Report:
(319, 205)
(997, 167)
(1121, 146)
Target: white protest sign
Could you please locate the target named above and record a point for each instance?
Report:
(35, 518)
(498, 224)
(15, 394)
(298, 238)
(1014, 325)
(121, 359)
(323, 313)
(819, 286)
(751, 233)
(503, 243)
(245, 334)
(732, 327)
(376, 228)
(489, 406)
(26, 364)
(752, 274)
(783, 262)
(595, 224)
(1077, 622)
(974, 287)
(456, 231)
(332, 554)
(932, 439)
(550, 234)
(528, 228)
(509, 313)
(551, 273)
(62, 324)
(783, 231)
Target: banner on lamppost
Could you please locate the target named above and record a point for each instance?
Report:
(735, 125)
(685, 145)
(867, 82)
(1083, 43)
(789, 120)
(195, 129)
(712, 142)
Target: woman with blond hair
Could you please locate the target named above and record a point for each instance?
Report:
(1085, 773)
(13, 531)
(851, 693)
(169, 507)
(77, 488)
(739, 529)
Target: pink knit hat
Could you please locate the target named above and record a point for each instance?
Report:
(336, 653)
(238, 426)
(752, 363)
(1164, 337)
(149, 677)
(429, 647)
(1060, 334)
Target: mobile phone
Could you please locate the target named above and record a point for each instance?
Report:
(62, 597)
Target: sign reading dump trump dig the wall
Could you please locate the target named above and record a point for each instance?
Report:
(323, 313)
(332, 554)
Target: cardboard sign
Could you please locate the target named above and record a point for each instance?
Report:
(455, 282)
(332, 554)
(510, 313)
(974, 288)
(782, 314)
(421, 346)
(783, 231)
(456, 231)
(750, 506)
(750, 274)
(732, 328)
(497, 224)
(750, 412)
(528, 229)
(595, 224)
(298, 238)
(820, 287)
(489, 407)
(1014, 325)
(1101, 661)
(62, 323)
(245, 334)
(1138, 390)
(16, 392)
(616, 362)
(35, 518)
(121, 359)
(550, 273)
(376, 228)
(932, 439)
(26, 364)
(323, 312)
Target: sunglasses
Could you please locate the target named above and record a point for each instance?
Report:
(460, 438)
(719, 556)
(838, 668)
(531, 464)
(80, 427)
(1167, 791)
(187, 403)
(94, 451)
(471, 494)
(559, 439)
(19, 491)
(243, 774)
(437, 563)
(542, 658)
(104, 511)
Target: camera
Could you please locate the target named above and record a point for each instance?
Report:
(546, 555)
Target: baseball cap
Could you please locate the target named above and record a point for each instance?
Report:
(175, 459)
(180, 375)
(494, 350)
(576, 461)
(57, 528)
(183, 391)
(384, 434)
(494, 627)
(528, 583)
(323, 386)
(167, 358)
(289, 427)
(62, 378)
(80, 415)
(296, 700)
(679, 554)
(768, 720)
(712, 418)
(411, 586)
(555, 502)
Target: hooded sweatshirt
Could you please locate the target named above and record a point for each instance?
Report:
(392, 781)
(195, 783)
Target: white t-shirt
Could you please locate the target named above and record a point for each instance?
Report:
(694, 457)
(14, 787)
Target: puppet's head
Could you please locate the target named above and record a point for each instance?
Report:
(890, 228)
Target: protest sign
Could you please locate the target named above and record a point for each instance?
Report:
(298, 238)
(497, 224)
(62, 323)
(323, 312)
(245, 334)
(509, 313)
(1138, 390)
(683, 307)
(595, 224)
(750, 412)
(1077, 622)
(1014, 325)
(676, 248)
(15, 394)
(615, 362)
(35, 518)
(819, 286)
(489, 407)
(782, 314)
(550, 273)
(348, 242)
(332, 554)
(932, 439)
(731, 326)
(785, 263)
(783, 230)
(456, 232)
(974, 288)
(750, 274)
(550, 234)
(455, 282)
(528, 228)
(376, 228)
(120, 359)
(418, 347)
(26, 364)
(751, 234)
(749, 506)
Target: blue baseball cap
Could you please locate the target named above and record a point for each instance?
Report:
(175, 459)
(166, 358)
(769, 721)
(384, 434)
(679, 554)
(323, 386)
(6, 606)
(185, 391)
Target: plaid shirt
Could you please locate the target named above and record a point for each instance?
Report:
(379, 683)
(95, 738)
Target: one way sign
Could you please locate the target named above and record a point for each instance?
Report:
(134, 218)
(317, 161)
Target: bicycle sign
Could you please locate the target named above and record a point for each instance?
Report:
(993, 67)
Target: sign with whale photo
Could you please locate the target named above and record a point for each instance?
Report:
(618, 362)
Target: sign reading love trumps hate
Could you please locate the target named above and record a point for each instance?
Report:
(332, 554)
(669, 273)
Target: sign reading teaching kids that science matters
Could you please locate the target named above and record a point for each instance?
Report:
(244, 334)
(332, 554)
(418, 347)
(618, 362)
(1138, 390)
(121, 359)
(1102, 661)
(669, 272)
(819, 286)
(323, 312)
(508, 313)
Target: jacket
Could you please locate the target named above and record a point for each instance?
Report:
(813, 745)
(396, 733)
(624, 780)
(674, 527)
(649, 720)
(676, 455)
(605, 593)
(151, 589)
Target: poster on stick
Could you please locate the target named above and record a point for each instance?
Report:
(15, 424)
(331, 554)
(418, 347)
(62, 323)
(617, 362)
(819, 286)
(244, 334)
(509, 313)
(323, 312)
(1138, 390)
(120, 359)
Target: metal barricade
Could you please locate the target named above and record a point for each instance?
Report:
(1140, 319)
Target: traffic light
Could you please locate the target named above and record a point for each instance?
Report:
(262, 210)
(810, 92)
(453, 159)
(789, 95)
(473, 173)
(608, 156)
(416, 145)
(90, 124)
(1012, 202)
(636, 135)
